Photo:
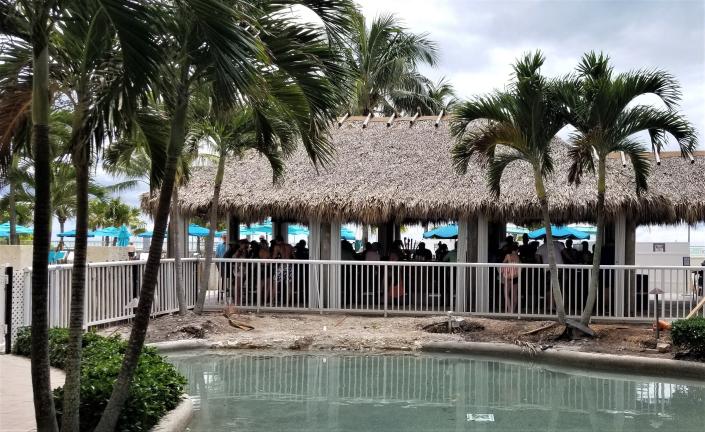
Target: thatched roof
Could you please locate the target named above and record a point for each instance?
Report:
(404, 173)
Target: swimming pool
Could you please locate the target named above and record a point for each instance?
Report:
(255, 391)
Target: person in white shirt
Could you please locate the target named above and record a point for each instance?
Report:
(542, 252)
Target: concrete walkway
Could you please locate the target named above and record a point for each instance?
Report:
(16, 406)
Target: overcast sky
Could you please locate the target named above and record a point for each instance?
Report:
(479, 40)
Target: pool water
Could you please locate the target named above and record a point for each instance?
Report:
(253, 392)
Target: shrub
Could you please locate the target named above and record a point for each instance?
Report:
(689, 334)
(156, 387)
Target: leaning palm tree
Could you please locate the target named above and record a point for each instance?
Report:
(140, 157)
(515, 125)
(228, 47)
(607, 121)
(268, 131)
(384, 58)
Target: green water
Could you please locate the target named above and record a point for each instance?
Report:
(253, 392)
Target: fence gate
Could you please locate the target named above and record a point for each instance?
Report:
(6, 306)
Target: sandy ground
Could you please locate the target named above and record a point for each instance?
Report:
(347, 332)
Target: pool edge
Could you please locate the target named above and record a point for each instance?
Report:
(627, 364)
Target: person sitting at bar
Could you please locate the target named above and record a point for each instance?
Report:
(585, 254)
(423, 254)
(300, 250)
(441, 253)
(570, 255)
(347, 253)
(372, 252)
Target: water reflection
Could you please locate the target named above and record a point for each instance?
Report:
(255, 392)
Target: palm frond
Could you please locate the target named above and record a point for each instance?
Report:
(640, 163)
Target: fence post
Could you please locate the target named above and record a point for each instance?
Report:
(7, 319)
(386, 287)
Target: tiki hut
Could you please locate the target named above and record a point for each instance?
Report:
(393, 171)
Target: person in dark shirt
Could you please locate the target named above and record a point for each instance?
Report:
(527, 253)
(300, 250)
(570, 255)
(423, 254)
(586, 255)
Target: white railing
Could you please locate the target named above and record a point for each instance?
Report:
(112, 290)
(388, 288)
(513, 290)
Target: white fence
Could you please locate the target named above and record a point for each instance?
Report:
(513, 290)
(112, 290)
(510, 290)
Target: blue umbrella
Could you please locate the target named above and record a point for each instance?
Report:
(449, 231)
(347, 234)
(123, 237)
(107, 232)
(72, 233)
(19, 229)
(146, 234)
(560, 233)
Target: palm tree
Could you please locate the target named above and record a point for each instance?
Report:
(443, 96)
(27, 21)
(607, 121)
(62, 191)
(140, 158)
(221, 46)
(384, 60)
(107, 51)
(269, 132)
(514, 125)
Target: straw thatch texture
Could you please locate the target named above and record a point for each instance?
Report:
(404, 173)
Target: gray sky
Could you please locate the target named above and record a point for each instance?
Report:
(480, 39)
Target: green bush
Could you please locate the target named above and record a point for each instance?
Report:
(689, 334)
(156, 387)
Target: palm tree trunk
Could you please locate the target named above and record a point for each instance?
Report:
(205, 275)
(44, 411)
(149, 280)
(595, 271)
(178, 253)
(72, 385)
(552, 266)
(61, 225)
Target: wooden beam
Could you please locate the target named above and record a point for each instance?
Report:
(624, 160)
(364, 124)
(391, 119)
(345, 117)
(438, 119)
(413, 119)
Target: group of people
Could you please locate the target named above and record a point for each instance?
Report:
(530, 252)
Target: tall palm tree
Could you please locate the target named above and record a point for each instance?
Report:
(384, 58)
(269, 132)
(221, 46)
(28, 21)
(510, 126)
(607, 121)
(108, 53)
